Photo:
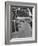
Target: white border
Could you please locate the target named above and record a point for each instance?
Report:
(33, 31)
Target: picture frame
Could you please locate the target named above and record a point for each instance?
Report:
(9, 5)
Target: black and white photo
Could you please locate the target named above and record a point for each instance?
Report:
(21, 22)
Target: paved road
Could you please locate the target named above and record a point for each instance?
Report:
(24, 31)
